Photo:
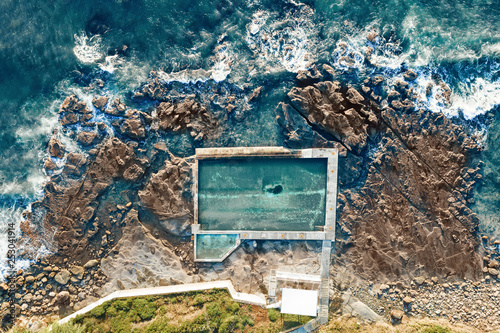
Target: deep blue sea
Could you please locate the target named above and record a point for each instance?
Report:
(52, 48)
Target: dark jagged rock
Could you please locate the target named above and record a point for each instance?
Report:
(117, 108)
(72, 205)
(99, 102)
(87, 138)
(410, 75)
(255, 94)
(56, 148)
(187, 115)
(71, 110)
(345, 115)
(133, 126)
(165, 195)
(309, 76)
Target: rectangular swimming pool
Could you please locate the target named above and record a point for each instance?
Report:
(262, 193)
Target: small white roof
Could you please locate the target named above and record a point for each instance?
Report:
(299, 302)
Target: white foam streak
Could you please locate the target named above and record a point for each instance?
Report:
(220, 70)
(472, 98)
(88, 50)
(287, 40)
(475, 98)
(9, 215)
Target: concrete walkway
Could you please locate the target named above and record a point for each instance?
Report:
(180, 288)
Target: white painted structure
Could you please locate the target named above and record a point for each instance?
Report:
(299, 302)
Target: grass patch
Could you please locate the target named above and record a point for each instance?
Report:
(287, 321)
(436, 329)
(344, 324)
(204, 311)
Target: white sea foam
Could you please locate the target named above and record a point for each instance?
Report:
(129, 72)
(88, 50)
(491, 49)
(222, 64)
(111, 63)
(219, 71)
(9, 215)
(287, 39)
(346, 57)
(473, 97)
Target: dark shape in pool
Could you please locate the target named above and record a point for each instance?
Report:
(275, 189)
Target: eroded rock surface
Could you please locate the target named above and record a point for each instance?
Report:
(404, 207)
(70, 205)
(187, 115)
(412, 214)
(165, 195)
(346, 115)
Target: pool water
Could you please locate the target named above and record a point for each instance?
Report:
(273, 194)
(214, 246)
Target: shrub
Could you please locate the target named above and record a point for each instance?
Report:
(111, 311)
(144, 308)
(229, 324)
(273, 315)
(67, 328)
(232, 307)
(199, 299)
(122, 305)
(213, 310)
(98, 311)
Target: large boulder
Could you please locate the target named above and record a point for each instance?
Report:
(77, 271)
(62, 277)
(56, 148)
(90, 264)
(63, 298)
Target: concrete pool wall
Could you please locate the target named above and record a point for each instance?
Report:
(324, 232)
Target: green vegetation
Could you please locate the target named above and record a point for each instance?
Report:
(273, 314)
(436, 329)
(208, 311)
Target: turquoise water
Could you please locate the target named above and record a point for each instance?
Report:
(262, 194)
(214, 246)
(49, 49)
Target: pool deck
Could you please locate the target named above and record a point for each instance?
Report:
(328, 232)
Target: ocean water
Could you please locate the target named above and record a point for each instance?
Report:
(49, 49)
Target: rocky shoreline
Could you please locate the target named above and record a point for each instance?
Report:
(465, 301)
(47, 289)
(120, 203)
